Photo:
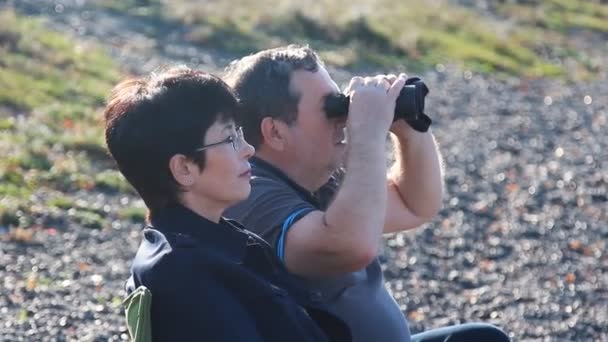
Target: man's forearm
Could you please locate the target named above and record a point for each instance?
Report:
(357, 212)
(417, 171)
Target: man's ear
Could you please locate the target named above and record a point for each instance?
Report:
(184, 170)
(275, 133)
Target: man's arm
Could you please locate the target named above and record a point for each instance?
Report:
(415, 182)
(346, 236)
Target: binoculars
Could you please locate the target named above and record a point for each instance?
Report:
(409, 106)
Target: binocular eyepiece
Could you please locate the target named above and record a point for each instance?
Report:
(409, 106)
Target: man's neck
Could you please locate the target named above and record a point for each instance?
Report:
(292, 169)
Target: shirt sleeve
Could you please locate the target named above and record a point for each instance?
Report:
(271, 209)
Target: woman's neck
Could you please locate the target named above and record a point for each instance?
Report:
(210, 210)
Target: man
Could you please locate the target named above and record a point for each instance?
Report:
(174, 139)
(326, 224)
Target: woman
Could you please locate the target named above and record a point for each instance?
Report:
(174, 138)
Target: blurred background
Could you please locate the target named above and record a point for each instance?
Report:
(519, 96)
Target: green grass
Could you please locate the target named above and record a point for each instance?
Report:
(388, 34)
(51, 137)
(133, 214)
(53, 86)
(561, 15)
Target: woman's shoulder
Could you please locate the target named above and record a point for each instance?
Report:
(162, 256)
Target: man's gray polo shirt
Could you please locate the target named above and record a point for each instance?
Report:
(359, 298)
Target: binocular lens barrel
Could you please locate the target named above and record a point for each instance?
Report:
(409, 106)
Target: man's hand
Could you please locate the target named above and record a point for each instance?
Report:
(372, 106)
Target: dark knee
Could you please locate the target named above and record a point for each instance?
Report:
(489, 332)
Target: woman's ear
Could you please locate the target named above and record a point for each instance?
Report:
(184, 170)
(274, 133)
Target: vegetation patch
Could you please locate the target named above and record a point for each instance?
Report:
(51, 137)
(524, 38)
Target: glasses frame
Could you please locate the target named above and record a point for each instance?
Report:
(234, 139)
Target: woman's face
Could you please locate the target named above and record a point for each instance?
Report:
(224, 181)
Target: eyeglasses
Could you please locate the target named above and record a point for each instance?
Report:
(235, 139)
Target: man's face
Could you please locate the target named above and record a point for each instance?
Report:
(316, 140)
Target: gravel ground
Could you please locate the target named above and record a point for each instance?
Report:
(521, 241)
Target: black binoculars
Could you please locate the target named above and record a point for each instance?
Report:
(409, 106)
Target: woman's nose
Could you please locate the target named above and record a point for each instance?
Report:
(247, 150)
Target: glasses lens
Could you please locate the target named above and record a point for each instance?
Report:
(237, 138)
(235, 144)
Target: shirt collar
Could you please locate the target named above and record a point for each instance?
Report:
(224, 238)
(261, 167)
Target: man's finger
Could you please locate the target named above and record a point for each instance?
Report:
(371, 81)
(391, 78)
(382, 81)
(396, 87)
(355, 82)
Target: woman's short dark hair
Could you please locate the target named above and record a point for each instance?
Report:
(149, 120)
(261, 82)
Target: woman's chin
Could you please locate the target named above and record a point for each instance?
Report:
(243, 194)
(246, 194)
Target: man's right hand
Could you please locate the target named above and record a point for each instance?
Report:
(372, 105)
